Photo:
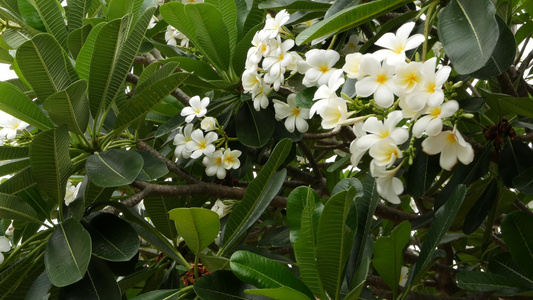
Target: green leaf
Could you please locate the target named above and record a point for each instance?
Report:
(14, 208)
(334, 241)
(359, 279)
(422, 173)
(439, 226)
(84, 58)
(45, 65)
(157, 209)
(117, 9)
(153, 167)
(294, 5)
(254, 128)
(19, 182)
(388, 254)
(502, 56)
(199, 227)
(504, 264)
(467, 32)
(7, 152)
(77, 38)
(68, 253)
(265, 273)
(221, 285)
(524, 182)
(228, 9)
(481, 208)
(304, 98)
(518, 239)
(11, 167)
(348, 18)
(280, 293)
(113, 239)
(50, 162)
(204, 25)
(98, 283)
(114, 51)
(70, 107)
(114, 167)
(198, 67)
(77, 10)
(238, 60)
(511, 164)
(37, 202)
(214, 263)
(296, 203)
(30, 15)
(148, 98)
(20, 106)
(305, 246)
(482, 281)
(159, 295)
(258, 195)
(346, 183)
(53, 20)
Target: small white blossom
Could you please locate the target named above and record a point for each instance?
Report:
(214, 164)
(353, 44)
(380, 130)
(221, 208)
(397, 44)
(273, 25)
(295, 116)
(351, 66)
(385, 152)
(387, 185)
(5, 246)
(432, 122)
(71, 192)
(276, 63)
(172, 35)
(452, 146)
(430, 91)
(208, 124)
(327, 92)
(200, 144)
(334, 114)
(10, 230)
(320, 66)
(197, 108)
(231, 159)
(404, 274)
(180, 140)
(377, 80)
(10, 125)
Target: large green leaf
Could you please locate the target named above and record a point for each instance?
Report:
(30, 15)
(157, 209)
(77, 10)
(481, 208)
(502, 56)
(518, 239)
(422, 172)
(119, 8)
(388, 254)
(85, 55)
(70, 107)
(257, 196)
(14, 208)
(335, 241)
(45, 66)
(359, 279)
(254, 128)
(68, 253)
(198, 67)
(19, 182)
(17, 104)
(280, 293)
(203, 24)
(153, 167)
(296, 203)
(113, 239)
(305, 245)
(348, 18)
(158, 295)
(77, 38)
(265, 273)
(295, 5)
(223, 285)
(440, 225)
(52, 17)
(114, 167)
(504, 264)
(199, 227)
(13, 167)
(483, 281)
(467, 31)
(115, 48)
(228, 9)
(7, 152)
(148, 98)
(50, 161)
(37, 202)
(98, 283)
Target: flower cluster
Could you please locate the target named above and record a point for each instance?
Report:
(10, 125)
(195, 143)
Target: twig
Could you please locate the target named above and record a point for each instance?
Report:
(521, 206)
(322, 135)
(394, 215)
(311, 158)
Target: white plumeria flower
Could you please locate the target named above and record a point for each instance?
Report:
(380, 130)
(191, 1)
(351, 66)
(430, 91)
(355, 151)
(221, 208)
(296, 60)
(387, 185)
(353, 44)
(432, 122)
(4, 247)
(231, 159)
(385, 152)
(153, 21)
(10, 127)
(214, 164)
(408, 76)
(377, 80)
(409, 113)
(10, 230)
(276, 63)
(397, 44)
(200, 144)
(295, 116)
(273, 25)
(404, 274)
(251, 81)
(320, 66)
(326, 92)
(452, 146)
(181, 139)
(160, 2)
(197, 108)
(208, 124)
(261, 48)
(71, 192)
(172, 35)
(260, 98)
(334, 114)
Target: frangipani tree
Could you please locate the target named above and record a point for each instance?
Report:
(273, 149)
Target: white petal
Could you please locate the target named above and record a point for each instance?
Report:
(383, 96)
(366, 87)
(435, 144)
(289, 123)
(414, 41)
(448, 157)
(404, 31)
(4, 244)
(465, 154)
(301, 125)
(434, 127)
(388, 40)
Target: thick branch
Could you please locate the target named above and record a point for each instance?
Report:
(394, 215)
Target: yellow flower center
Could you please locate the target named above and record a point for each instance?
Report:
(382, 78)
(400, 49)
(411, 79)
(296, 111)
(430, 88)
(202, 145)
(219, 160)
(435, 111)
(384, 134)
(324, 69)
(450, 137)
